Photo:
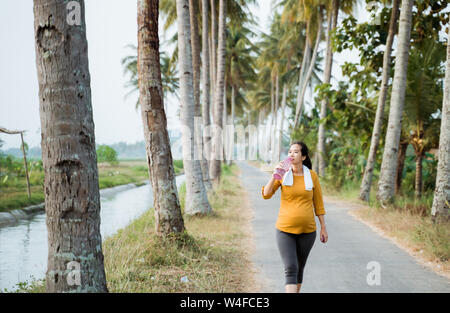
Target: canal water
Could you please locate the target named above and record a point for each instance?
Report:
(23, 246)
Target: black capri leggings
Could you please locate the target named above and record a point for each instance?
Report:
(294, 250)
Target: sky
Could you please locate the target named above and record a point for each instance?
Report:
(111, 26)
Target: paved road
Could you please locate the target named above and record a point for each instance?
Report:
(340, 265)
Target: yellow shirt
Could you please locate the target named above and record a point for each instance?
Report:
(297, 206)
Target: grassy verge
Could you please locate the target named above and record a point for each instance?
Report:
(15, 196)
(407, 223)
(213, 255)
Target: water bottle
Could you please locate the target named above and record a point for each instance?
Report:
(286, 164)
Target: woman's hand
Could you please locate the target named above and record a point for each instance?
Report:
(323, 234)
(279, 166)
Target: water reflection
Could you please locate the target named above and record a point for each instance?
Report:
(23, 246)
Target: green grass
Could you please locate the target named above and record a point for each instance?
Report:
(14, 195)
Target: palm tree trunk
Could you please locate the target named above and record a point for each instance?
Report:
(418, 181)
(262, 141)
(72, 198)
(230, 127)
(331, 25)
(400, 166)
(283, 107)
(195, 44)
(275, 152)
(272, 106)
(386, 182)
(196, 197)
(206, 96)
(195, 41)
(316, 162)
(168, 218)
(304, 65)
(213, 48)
(211, 81)
(233, 105)
(218, 96)
(224, 123)
(366, 183)
(196, 62)
(299, 108)
(440, 210)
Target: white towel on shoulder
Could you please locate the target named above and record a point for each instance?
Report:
(288, 178)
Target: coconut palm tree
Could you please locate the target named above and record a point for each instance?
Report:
(206, 103)
(240, 71)
(169, 75)
(217, 144)
(386, 189)
(195, 44)
(310, 13)
(269, 59)
(168, 218)
(424, 74)
(366, 183)
(196, 197)
(239, 14)
(305, 81)
(333, 7)
(440, 210)
(72, 198)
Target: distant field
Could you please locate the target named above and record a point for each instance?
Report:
(13, 193)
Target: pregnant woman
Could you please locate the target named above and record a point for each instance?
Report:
(301, 198)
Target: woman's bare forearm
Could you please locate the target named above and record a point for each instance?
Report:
(322, 221)
(269, 186)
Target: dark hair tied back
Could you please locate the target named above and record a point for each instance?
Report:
(304, 149)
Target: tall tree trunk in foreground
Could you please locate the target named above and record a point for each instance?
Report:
(72, 199)
(196, 197)
(206, 85)
(366, 183)
(168, 218)
(217, 149)
(440, 210)
(385, 193)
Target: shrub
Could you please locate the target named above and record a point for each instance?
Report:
(107, 154)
